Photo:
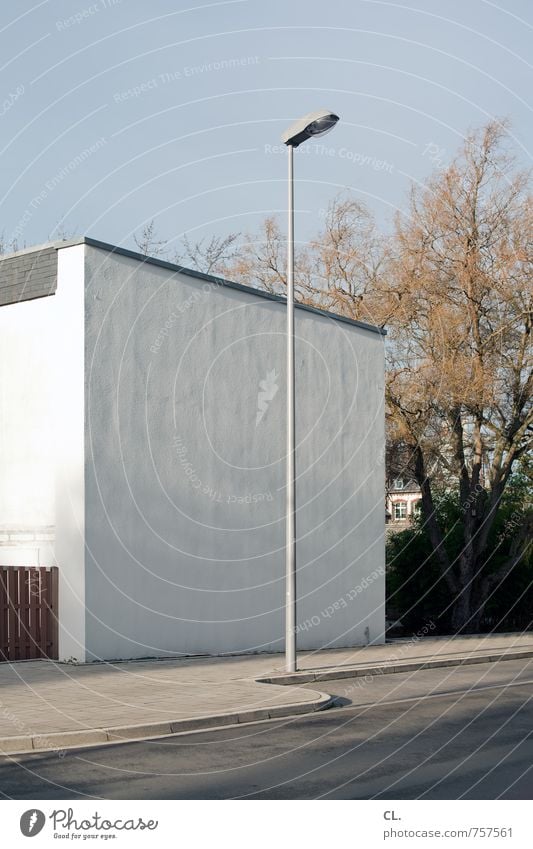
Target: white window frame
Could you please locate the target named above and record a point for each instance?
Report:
(398, 505)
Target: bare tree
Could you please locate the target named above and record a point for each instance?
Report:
(338, 270)
(7, 246)
(148, 242)
(262, 259)
(212, 256)
(13, 246)
(460, 370)
(61, 232)
(348, 260)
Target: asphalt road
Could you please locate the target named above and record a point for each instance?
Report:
(436, 734)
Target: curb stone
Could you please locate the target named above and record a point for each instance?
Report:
(60, 740)
(305, 677)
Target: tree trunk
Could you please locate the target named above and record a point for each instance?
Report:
(462, 611)
(468, 608)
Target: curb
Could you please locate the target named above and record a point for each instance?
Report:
(384, 669)
(58, 741)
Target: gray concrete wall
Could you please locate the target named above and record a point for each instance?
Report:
(184, 468)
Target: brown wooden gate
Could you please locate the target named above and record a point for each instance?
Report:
(28, 613)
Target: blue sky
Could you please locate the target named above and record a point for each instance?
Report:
(115, 112)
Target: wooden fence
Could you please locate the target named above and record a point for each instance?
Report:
(28, 613)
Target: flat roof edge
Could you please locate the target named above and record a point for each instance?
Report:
(46, 246)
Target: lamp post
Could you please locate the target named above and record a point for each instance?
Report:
(314, 124)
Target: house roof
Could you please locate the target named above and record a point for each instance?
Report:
(189, 272)
(408, 486)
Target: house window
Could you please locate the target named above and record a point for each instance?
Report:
(398, 483)
(400, 510)
(417, 507)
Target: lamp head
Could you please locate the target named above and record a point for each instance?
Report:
(314, 124)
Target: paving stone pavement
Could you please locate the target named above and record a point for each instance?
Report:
(43, 697)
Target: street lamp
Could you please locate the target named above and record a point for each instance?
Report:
(314, 124)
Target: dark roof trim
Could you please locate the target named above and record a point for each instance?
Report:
(199, 275)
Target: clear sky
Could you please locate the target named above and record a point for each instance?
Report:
(114, 112)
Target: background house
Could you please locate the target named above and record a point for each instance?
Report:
(142, 452)
(403, 503)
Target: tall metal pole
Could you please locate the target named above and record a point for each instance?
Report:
(290, 545)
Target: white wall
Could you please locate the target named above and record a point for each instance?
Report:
(28, 334)
(28, 344)
(185, 490)
(42, 441)
(27, 547)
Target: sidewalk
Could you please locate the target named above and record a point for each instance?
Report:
(50, 706)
